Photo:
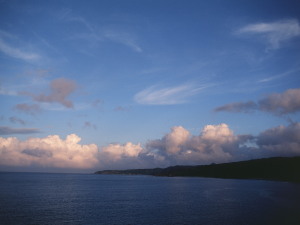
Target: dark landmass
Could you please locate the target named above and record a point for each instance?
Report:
(277, 168)
(154, 172)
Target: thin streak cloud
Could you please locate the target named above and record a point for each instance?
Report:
(277, 103)
(10, 130)
(278, 76)
(15, 119)
(166, 96)
(244, 107)
(94, 35)
(123, 38)
(15, 52)
(275, 33)
(31, 109)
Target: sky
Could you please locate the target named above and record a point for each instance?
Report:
(119, 84)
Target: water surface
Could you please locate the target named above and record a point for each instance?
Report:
(41, 198)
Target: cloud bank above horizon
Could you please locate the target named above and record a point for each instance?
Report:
(214, 144)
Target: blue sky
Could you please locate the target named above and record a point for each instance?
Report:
(139, 81)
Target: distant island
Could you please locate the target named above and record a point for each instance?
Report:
(276, 168)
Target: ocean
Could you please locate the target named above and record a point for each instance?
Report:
(45, 198)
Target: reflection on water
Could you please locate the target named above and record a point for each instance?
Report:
(36, 198)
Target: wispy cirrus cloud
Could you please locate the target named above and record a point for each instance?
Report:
(95, 35)
(11, 50)
(275, 33)
(10, 130)
(156, 95)
(7, 91)
(278, 76)
(123, 38)
(276, 103)
(31, 79)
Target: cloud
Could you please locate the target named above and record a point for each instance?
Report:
(218, 143)
(166, 96)
(281, 140)
(278, 76)
(51, 151)
(275, 33)
(172, 142)
(94, 36)
(10, 130)
(123, 38)
(117, 152)
(97, 103)
(123, 156)
(31, 109)
(14, 51)
(7, 91)
(67, 15)
(60, 89)
(282, 103)
(277, 104)
(14, 119)
(121, 109)
(214, 144)
(245, 107)
(32, 79)
(88, 124)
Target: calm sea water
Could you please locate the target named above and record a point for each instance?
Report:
(37, 198)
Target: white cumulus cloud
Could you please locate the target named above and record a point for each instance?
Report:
(117, 151)
(216, 143)
(51, 151)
